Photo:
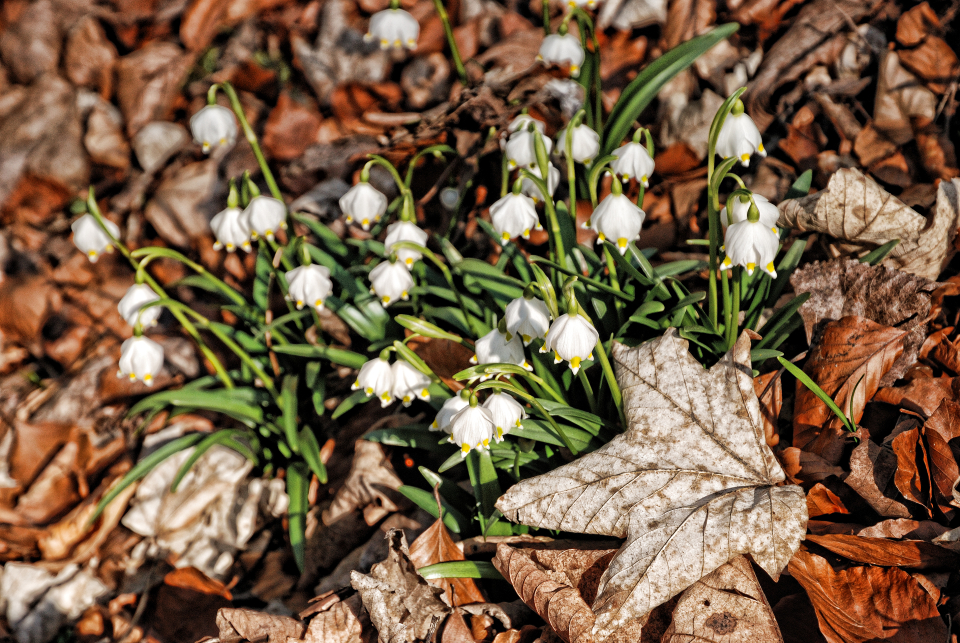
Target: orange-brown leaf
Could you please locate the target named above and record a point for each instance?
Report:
(435, 546)
(915, 554)
(823, 502)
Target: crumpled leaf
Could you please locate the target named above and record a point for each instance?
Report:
(843, 287)
(342, 622)
(436, 546)
(186, 197)
(914, 554)
(402, 605)
(631, 14)
(690, 485)
(30, 46)
(938, 431)
(371, 487)
(251, 625)
(921, 395)
(726, 604)
(872, 468)
(861, 216)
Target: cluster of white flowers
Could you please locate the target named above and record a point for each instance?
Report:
(308, 285)
(387, 382)
(473, 426)
(751, 237)
(234, 228)
(141, 358)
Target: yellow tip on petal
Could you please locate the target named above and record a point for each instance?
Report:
(744, 158)
(556, 357)
(486, 442)
(368, 390)
(385, 299)
(223, 141)
(726, 262)
(575, 362)
(751, 266)
(760, 148)
(622, 242)
(408, 261)
(132, 377)
(465, 448)
(147, 377)
(299, 304)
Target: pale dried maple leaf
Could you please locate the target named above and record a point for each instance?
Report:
(690, 485)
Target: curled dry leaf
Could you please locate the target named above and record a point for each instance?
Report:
(823, 502)
(370, 487)
(436, 546)
(872, 468)
(769, 388)
(914, 554)
(342, 622)
(251, 625)
(942, 427)
(690, 485)
(913, 466)
(861, 216)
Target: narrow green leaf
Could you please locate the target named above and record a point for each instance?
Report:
(222, 437)
(877, 255)
(425, 328)
(288, 406)
(357, 397)
(310, 450)
(460, 569)
(452, 518)
(816, 390)
(298, 483)
(335, 355)
(800, 187)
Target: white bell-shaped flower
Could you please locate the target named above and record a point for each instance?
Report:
(90, 238)
(376, 378)
(409, 383)
(391, 281)
(523, 122)
(472, 428)
(585, 143)
(633, 162)
(363, 203)
(393, 28)
(521, 151)
(499, 348)
(137, 296)
(308, 286)
(231, 230)
(530, 188)
(214, 126)
(589, 4)
(739, 137)
(562, 50)
(751, 244)
(528, 318)
(445, 415)
(572, 338)
(506, 412)
(618, 219)
(140, 359)
(264, 216)
(514, 215)
(769, 213)
(405, 231)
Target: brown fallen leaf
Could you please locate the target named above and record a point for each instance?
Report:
(916, 24)
(444, 357)
(938, 431)
(89, 56)
(872, 469)
(186, 605)
(864, 603)
(148, 81)
(727, 604)
(860, 216)
(921, 395)
(912, 477)
(902, 101)
(913, 554)
(804, 466)
(455, 630)
(691, 484)
(904, 528)
(823, 502)
(291, 127)
(184, 200)
(769, 388)
(30, 45)
(341, 622)
(250, 625)
(371, 487)
(435, 546)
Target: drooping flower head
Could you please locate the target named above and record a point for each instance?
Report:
(514, 215)
(308, 286)
(530, 188)
(140, 359)
(136, 297)
(405, 231)
(450, 408)
(506, 412)
(572, 338)
(90, 238)
(214, 126)
(498, 347)
(584, 144)
(363, 203)
(265, 216)
(521, 150)
(768, 212)
(561, 50)
(231, 229)
(633, 162)
(393, 28)
(409, 383)
(751, 243)
(391, 281)
(739, 136)
(618, 219)
(527, 317)
(376, 378)
(472, 427)
(523, 121)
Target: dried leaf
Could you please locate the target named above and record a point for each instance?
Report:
(690, 484)
(291, 128)
(148, 81)
(184, 200)
(942, 427)
(455, 630)
(904, 528)
(250, 625)
(769, 388)
(914, 554)
(89, 56)
(916, 24)
(804, 466)
(726, 604)
(912, 477)
(435, 546)
(901, 101)
(921, 395)
(30, 46)
(823, 502)
(860, 216)
(371, 487)
(343, 622)
(872, 468)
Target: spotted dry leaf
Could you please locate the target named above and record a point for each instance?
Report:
(690, 485)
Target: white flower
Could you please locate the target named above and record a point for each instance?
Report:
(405, 231)
(751, 244)
(522, 122)
(633, 162)
(618, 219)
(214, 126)
(308, 285)
(376, 378)
(391, 281)
(561, 50)
(590, 4)
(393, 28)
(472, 428)
(769, 213)
(497, 348)
(514, 215)
(572, 338)
(585, 144)
(409, 383)
(90, 238)
(529, 188)
(521, 150)
(363, 203)
(739, 137)
(506, 412)
(140, 359)
(264, 216)
(527, 318)
(135, 298)
(450, 408)
(231, 229)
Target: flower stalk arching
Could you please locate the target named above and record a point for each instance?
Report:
(437, 150)
(451, 42)
(593, 179)
(150, 253)
(571, 164)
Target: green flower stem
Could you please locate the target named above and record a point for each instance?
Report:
(615, 291)
(454, 51)
(188, 326)
(251, 139)
(571, 164)
(593, 179)
(376, 159)
(146, 255)
(546, 17)
(734, 322)
(535, 403)
(553, 223)
(588, 390)
(433, 149)
(618, 304)
(727, 302)
(611, 378)
(505, 176)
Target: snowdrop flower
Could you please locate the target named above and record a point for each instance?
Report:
(231, 229)
(514, 215)
(308, 285)
(751, 244)
(499, 348)
(363, 203)
(585, 144)
(472, 428)
(528, 318)
(90, 238)
(563, 49)
(395, 28)
(264, 216)
(523, 121)
(590, 4)
(137, 296)
(530, 188)
(214, 126)
(376, 378)
(391, 281)
(618, 219)
(521, 148)
(409, 383)
(572, 338)
(769, 213)
(633, 162)
(405, 231)
(506, 412)
(140, 359)
(739, 136)
(450, 408)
